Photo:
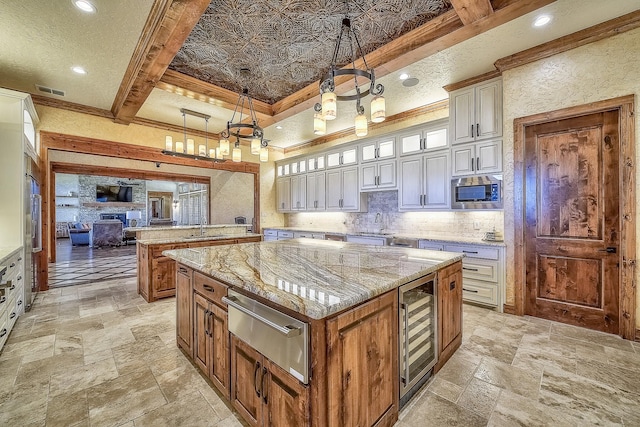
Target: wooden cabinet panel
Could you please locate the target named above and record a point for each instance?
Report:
(209, 288)
(363, 363)
(184, 295)
(286, 399)
(219, 362)
(246, 367)
(164, 271)
(201, 332)
(449, 309)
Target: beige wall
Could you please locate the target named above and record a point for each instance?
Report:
(71, 123)
(602, 70)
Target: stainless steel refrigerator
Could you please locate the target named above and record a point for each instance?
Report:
(33, 232)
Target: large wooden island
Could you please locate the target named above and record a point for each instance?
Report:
(341, 300)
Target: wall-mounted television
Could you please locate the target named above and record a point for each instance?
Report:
(114, 193)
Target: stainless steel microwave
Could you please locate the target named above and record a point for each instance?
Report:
(476, 192)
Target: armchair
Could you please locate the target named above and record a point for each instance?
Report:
(78, 233)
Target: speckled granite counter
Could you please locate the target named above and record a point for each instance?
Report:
(443, 239)
(315, 278)
(165, 240)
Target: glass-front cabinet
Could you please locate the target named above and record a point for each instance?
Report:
(429, 138)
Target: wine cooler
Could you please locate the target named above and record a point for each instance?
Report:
(418, 340)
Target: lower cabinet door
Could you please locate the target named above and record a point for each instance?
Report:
(286, 399)
(246, 371)
(184, 295)
(219, 337)
(164, 281)
(201, 343)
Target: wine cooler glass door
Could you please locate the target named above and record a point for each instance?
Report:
(418, 352)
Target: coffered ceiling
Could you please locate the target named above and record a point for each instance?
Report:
(146, 59)
(288, 44)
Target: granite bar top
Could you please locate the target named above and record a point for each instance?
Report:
(8, 251)
(167, 240)
(315, 278)
(188, 227)
(443, 239)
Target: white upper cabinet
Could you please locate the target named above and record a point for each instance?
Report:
(428, 138)
(378, 176)
(377, 150)
(424, 182)
(298, 193)
(343, 192)
(283, 194)
(343, 157)
(283, 170)
(476, 112)
(477, 159)
(316, 193)
(315, 163)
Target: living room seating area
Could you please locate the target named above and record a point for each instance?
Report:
(104, 232)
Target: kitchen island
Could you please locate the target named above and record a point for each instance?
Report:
(156, 272)
(335, 307)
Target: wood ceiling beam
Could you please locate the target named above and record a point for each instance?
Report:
(472, 10)
(592, 34)
(173, 81)
(167, 27)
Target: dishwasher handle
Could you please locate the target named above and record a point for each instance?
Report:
(286, 330)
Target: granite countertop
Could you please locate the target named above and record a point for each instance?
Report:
(315, 278)
(7, 251)
(443, 239)
(167, 240)
(186, 227)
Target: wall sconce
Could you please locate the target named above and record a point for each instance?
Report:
(175, 204)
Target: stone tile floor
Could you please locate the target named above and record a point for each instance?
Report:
(99, 355)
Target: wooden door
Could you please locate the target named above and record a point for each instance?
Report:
(246, 369)
(286, 400)
(572, 221)
(201, 352)
(219, 362)
(363, 364)
(184, 295)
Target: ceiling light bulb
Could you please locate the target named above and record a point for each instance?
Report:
(361, 125)
(255, 145)
(378, 110)
(224, 147)
(236, 156)
(404, 76)
(541, 21)
(84, 6)
(329, 105)
(78, 70)
(264, 154)
(319, 124)
(278, 127)
(168, 143)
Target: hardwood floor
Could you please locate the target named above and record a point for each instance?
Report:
(66, 252)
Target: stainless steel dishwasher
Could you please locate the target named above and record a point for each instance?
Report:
(281, 338)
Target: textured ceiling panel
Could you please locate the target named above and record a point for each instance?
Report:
(288, 44)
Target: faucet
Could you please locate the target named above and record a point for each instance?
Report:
(378, 220)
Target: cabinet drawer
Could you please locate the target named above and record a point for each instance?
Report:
(209, 288)
(480, 269)
(285, 234)
(14, 310)
(483, 293)
(474, 251)
(304, 234)
(426, 244)
(271, 232)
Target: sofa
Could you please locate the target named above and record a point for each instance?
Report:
(106, 232)
(79, 233)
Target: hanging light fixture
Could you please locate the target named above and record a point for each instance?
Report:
(203, 153)
(241, 130)
(327, 107)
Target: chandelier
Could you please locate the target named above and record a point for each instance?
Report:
(247, 129)
(327, 108)
(204, 152)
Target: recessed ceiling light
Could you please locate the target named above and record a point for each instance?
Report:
(404, 76)
(78, 70)
(541, 21)
(84, 6)
(410, 82)
(278, 127)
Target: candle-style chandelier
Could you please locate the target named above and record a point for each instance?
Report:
(327, 108)
(204, 152)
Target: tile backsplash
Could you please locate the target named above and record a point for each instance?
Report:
(383, 216)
